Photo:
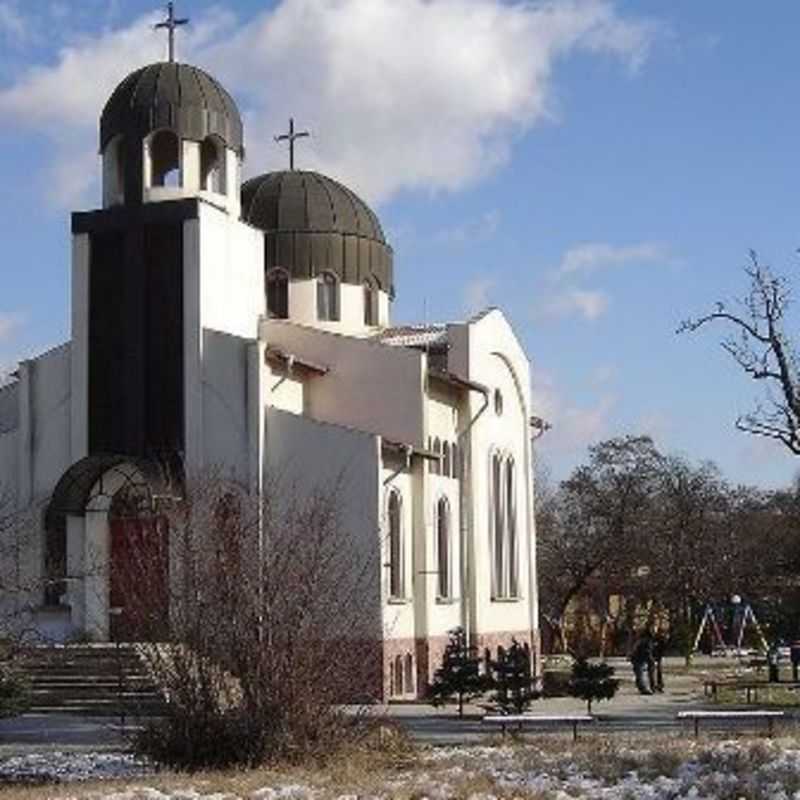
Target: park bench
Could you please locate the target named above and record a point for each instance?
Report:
(518, 721)
(750, 688)
(698, 716)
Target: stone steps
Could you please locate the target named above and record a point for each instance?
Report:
(97, 680)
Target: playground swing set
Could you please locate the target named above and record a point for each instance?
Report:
(743, 616)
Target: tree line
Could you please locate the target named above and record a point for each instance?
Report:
(636, 537)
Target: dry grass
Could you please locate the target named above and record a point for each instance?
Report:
(389, 765)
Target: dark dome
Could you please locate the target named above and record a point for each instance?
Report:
(179, 97)
(313, 224)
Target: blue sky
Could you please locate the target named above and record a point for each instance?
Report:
(597, 169)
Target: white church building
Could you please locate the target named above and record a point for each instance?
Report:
(247, 327)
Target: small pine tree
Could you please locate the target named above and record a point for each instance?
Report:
(14, 692)
(513, 683)
(459, 675)
(592, 682)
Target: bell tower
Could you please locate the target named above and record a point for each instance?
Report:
(160, 260)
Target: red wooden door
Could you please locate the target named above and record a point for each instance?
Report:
(139, 578)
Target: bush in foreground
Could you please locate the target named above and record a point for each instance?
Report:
(273, 624)
(14, 692)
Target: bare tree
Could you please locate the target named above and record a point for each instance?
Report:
(759, 345)
(590, 531)
(267, 623)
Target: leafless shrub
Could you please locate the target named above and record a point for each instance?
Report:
(263, 620)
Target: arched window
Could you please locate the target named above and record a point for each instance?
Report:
(511, 529)
(370, 304)
(409, 671)
(328, 297)
(396, 566)
(278, 294)
(165, 161)
(114, 172)
(503, 521)
(497, 525)
(397, 686)
(212, 165)
(436, 466)
(446, 459)
(443, 547)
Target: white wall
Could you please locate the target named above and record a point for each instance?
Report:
(50, 407)
(8, 465)
(223, 292)
(492, 355)
(225, 404)
(370, 386)
(232, 293)
(284, 391)
(306, 456)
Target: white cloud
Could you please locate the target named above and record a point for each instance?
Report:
(586, 303)
(476, 295)
(594, 256)
(573, 427)
(475, 230)
(9, 322)
(399, 94)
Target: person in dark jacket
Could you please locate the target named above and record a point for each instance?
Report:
(656, 673)
(641, 659)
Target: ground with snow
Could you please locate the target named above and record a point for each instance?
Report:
(551, 769)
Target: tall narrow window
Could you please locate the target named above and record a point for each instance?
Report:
(370, 304)
(498, 537)
(397, 687)
(396, 567)
(443, 546)
(511, 529)
(327, 297)
(436, 467)
(455, 455)
(409, 687)
(278, 294)
(446, 459)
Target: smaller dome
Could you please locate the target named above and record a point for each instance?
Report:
(313, 223)
(179, 97)
(307, 201)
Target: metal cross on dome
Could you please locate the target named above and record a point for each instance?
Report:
(290, 137)
(171, 24)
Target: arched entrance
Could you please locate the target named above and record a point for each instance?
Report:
(117, 542)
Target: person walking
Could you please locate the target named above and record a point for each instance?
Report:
(794, 655)
(656, 672)
(641, 658)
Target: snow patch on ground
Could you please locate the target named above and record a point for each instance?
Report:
(54, 767)
(755, 770)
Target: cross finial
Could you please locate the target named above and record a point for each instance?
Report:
(290, 137)
(171, 24)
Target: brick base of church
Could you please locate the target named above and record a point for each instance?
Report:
(426, 658)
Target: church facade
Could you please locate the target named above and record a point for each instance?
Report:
(248, 328)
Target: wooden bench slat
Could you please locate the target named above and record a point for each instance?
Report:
(697, 716)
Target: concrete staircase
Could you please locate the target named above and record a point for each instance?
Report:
(91, 679)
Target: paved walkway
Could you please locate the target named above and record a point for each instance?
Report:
(628, 712)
